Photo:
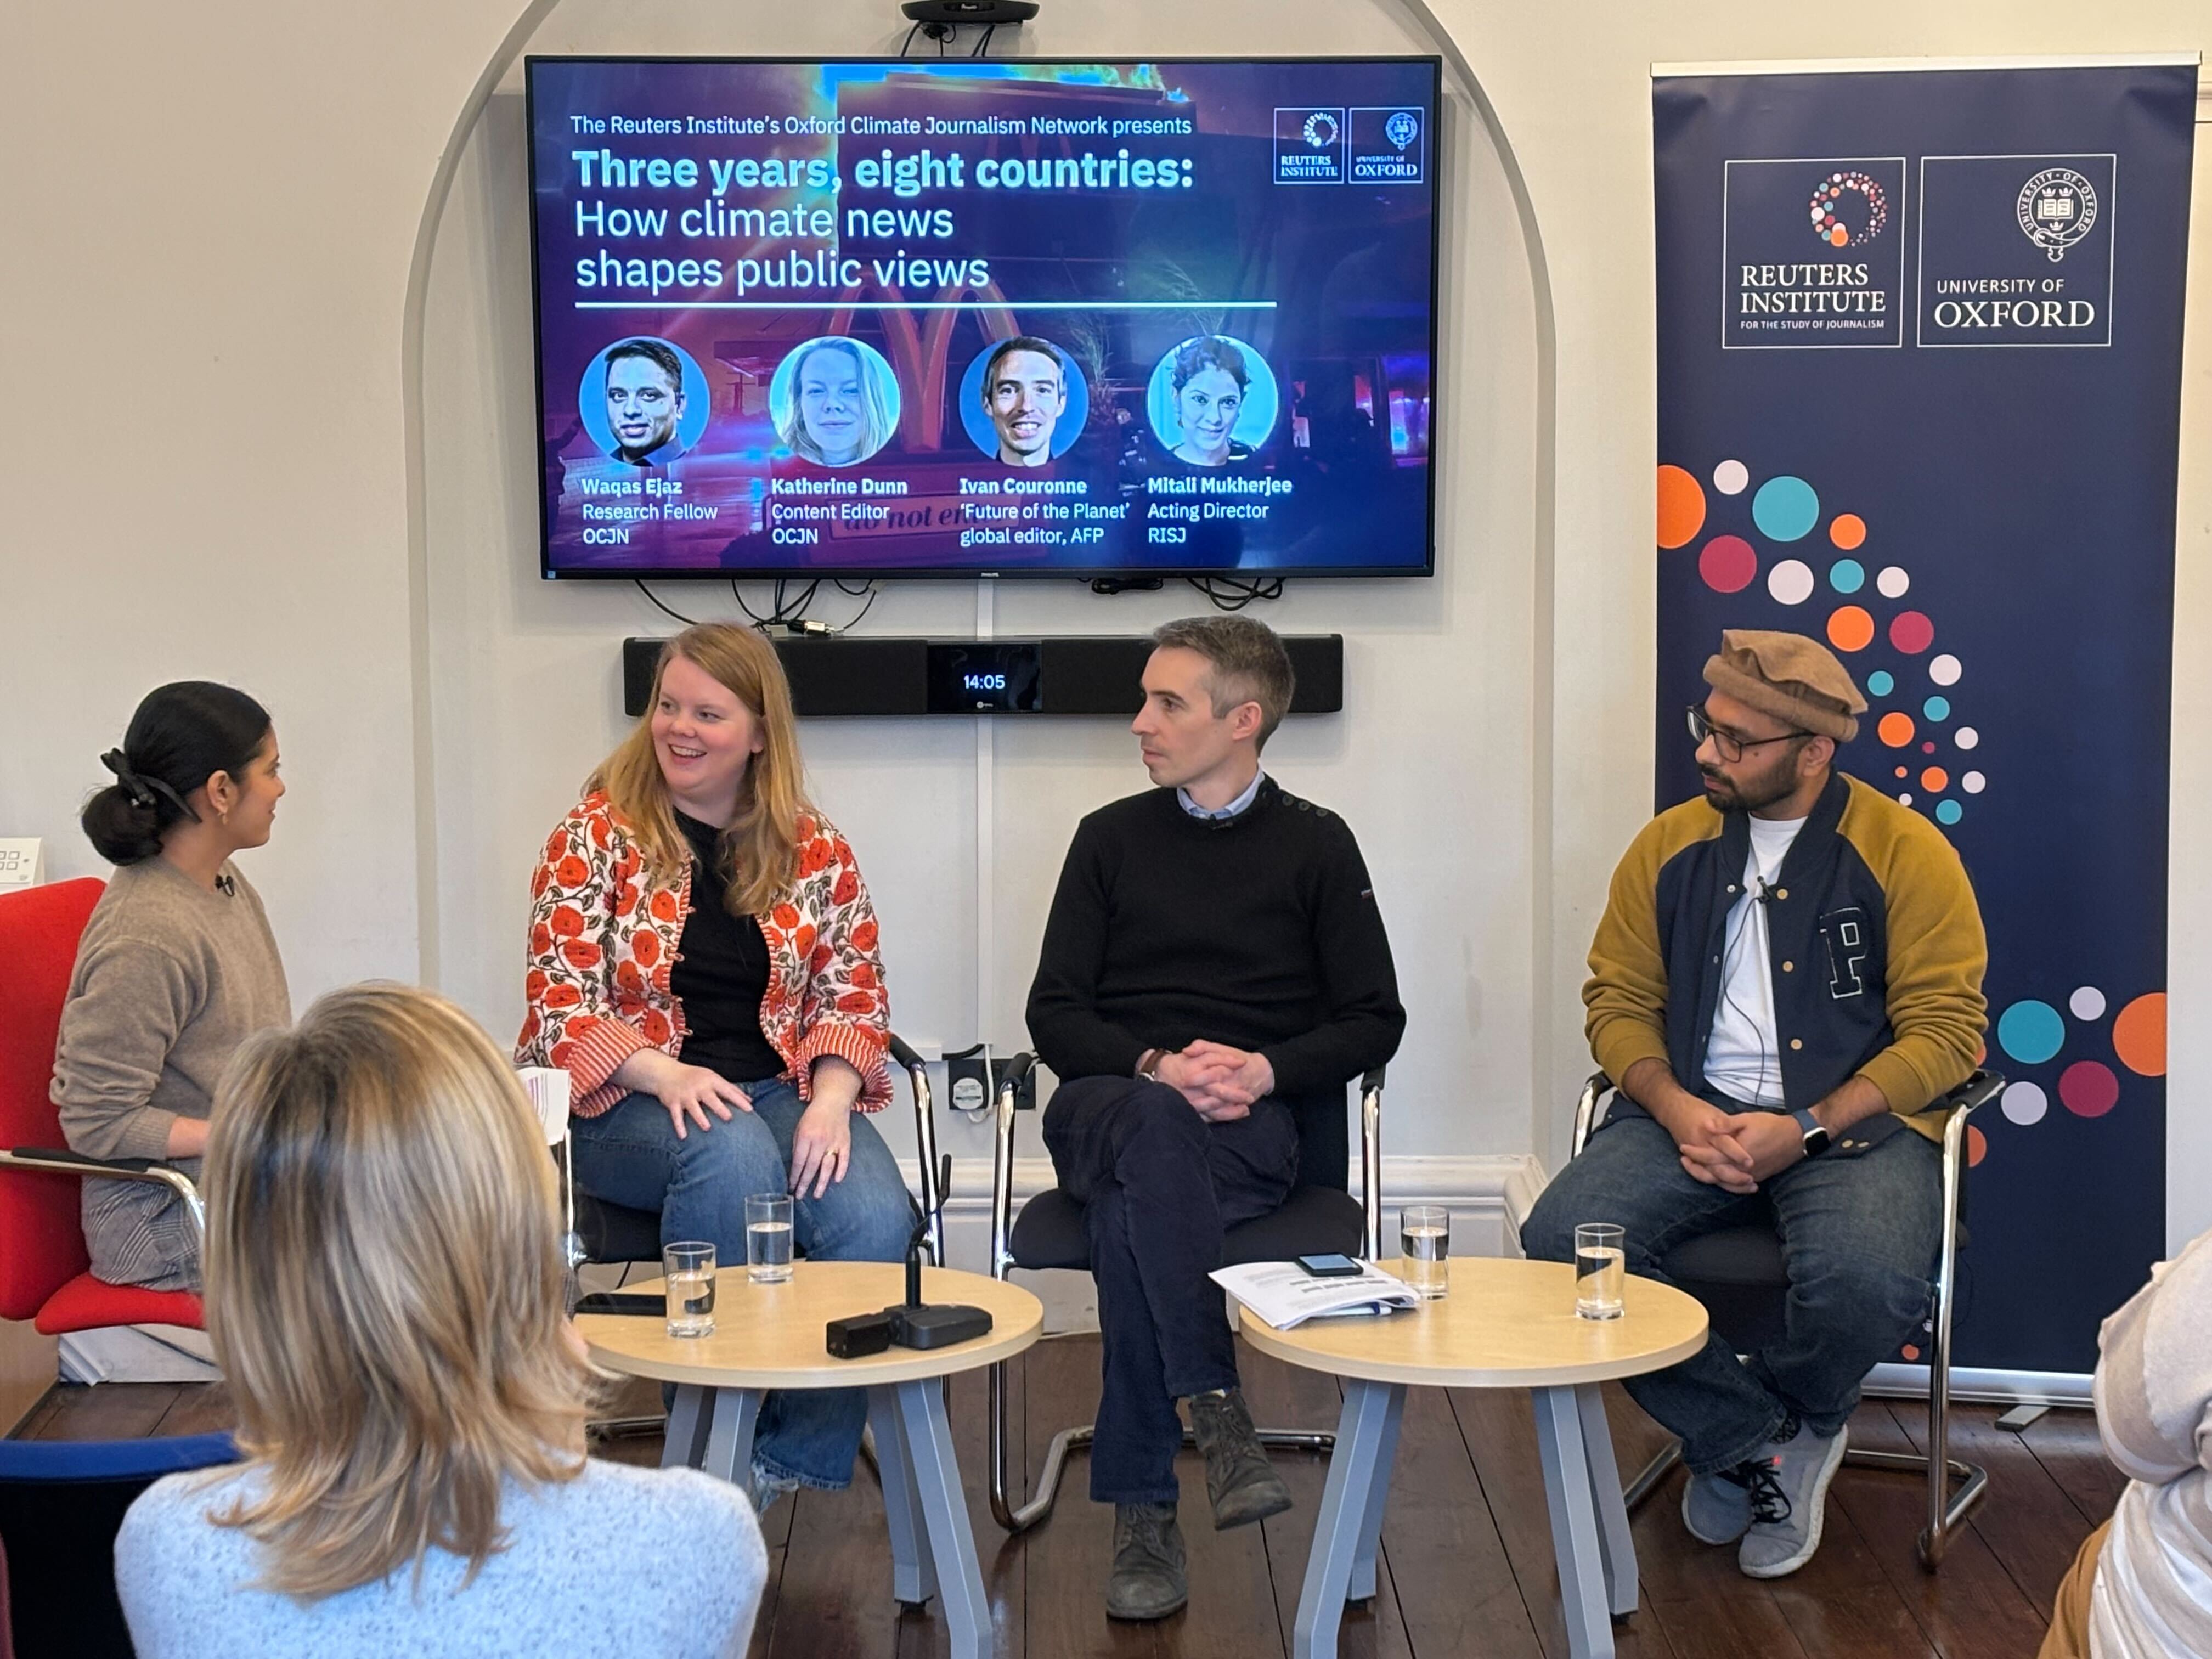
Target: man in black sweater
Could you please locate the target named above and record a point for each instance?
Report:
(1214, 972)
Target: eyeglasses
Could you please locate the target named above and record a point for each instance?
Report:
(1730, 746)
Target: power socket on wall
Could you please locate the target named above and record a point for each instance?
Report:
(971, 1081)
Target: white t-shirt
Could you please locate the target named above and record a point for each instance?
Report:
(1743, 1057)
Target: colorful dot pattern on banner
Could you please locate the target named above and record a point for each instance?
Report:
(2087, 1003)
(1790, 582)
(2139, 1035)
(2023, 1103)
(1728, 564)
(1849, 627)
(2088, 1089)
(1681, 507)
(1785, 508)
(1935, 780)
(2031, 1032)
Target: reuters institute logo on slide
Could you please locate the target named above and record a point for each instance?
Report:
(1845, 200)
(2056, 209)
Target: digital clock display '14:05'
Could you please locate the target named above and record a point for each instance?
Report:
(990, 675)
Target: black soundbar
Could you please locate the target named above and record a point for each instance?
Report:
(1076, 674)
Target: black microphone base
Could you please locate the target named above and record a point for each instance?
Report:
(939, 1325)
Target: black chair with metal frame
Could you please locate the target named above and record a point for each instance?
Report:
(600, 1233)
(604, 1234)
(1319, 1216)
(1738, 1274)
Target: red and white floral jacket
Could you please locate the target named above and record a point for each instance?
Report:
(604, 933)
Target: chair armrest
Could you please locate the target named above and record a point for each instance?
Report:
(1977, 1091)
(933, 1173)
(1371, 1160)
(55, 1161)
(1012, 1075)
(1594, 1091)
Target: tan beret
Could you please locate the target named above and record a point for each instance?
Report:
(1789, 676)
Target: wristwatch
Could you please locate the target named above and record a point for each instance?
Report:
(1148, 1065)
(1816, 1137)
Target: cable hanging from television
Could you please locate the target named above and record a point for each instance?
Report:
(1234, 592)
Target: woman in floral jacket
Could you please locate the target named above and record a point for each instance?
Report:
(703, 964)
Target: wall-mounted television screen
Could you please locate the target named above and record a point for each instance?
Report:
(967, 317)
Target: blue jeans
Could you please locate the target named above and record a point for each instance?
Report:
(1859, 1233)
(629, 1155)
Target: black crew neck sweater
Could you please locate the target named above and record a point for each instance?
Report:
(1259, 930)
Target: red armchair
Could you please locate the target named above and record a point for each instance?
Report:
(44, 1273)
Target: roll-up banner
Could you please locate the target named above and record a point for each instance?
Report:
(1920, 335)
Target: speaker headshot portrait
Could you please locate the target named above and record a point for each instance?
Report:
(835, 401)
(644, 401)
(1023, 402)
(1211, 401)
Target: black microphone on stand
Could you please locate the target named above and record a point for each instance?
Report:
(918, 1324)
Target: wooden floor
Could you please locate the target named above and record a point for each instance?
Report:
(1467, 1555)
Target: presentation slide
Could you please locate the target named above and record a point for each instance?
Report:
(919, 316)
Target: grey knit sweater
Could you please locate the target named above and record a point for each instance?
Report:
(170, 978)
(647, 1563)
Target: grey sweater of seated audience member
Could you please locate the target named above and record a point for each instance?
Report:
(2154, 1410)
(171, 977)
(648, 1564)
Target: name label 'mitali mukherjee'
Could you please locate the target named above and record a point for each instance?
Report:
(1207, 483)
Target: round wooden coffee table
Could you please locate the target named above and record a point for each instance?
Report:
(1505, 1325)
(771, 1336)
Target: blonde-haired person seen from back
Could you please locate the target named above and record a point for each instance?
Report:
(384, 1293)
(704, 964)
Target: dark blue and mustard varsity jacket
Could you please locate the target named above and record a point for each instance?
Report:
(1877, 951)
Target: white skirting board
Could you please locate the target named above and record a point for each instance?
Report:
(1976, 1384)
(139, 1353)
(1487, 1197)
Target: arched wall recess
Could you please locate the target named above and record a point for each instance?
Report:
(514, 678)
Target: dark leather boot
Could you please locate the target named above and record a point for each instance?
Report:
(1242, 1484)
(1148, 1581)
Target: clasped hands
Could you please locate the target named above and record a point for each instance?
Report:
(1219, 1082)
(1734, 1151)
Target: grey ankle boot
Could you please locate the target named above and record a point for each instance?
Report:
(1242, 1484)
(1148, 1581)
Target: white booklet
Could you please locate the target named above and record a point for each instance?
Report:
(1285, 1295)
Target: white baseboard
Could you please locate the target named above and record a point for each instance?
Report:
(1487, 1198)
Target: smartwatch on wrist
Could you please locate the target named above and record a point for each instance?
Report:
(1816, 1137)
(1148, 1065)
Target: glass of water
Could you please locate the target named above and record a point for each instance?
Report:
(1424, 1242)
(1601, 1268)
(768, 1237)
(689, 1268)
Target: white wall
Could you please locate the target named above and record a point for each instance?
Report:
(210, 216)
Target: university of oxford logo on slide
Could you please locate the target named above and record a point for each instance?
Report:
(2058, 208)
(1846, 199)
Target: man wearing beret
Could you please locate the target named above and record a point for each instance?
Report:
(1788, 972)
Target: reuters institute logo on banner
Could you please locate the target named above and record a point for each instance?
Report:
(1309, 146)
(1843, 286)
(2058, 208)
(2016, 250)
(1844, 199)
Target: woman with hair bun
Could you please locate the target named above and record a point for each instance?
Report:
(176, 969)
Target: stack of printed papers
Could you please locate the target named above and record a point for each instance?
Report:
(1284, 1295)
